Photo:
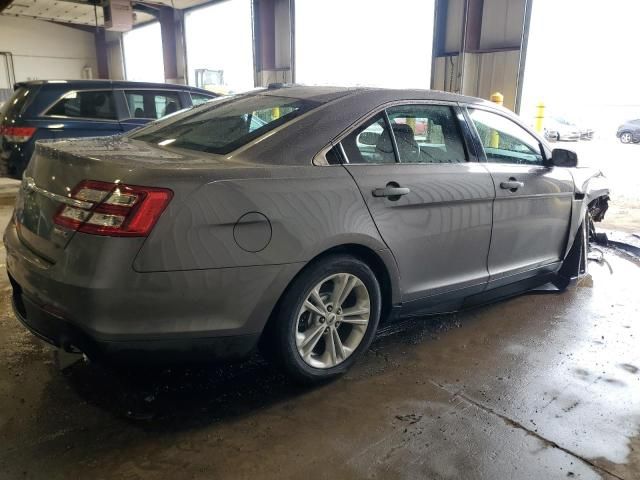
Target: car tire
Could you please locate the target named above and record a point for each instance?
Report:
(296, 338)
(626, 137)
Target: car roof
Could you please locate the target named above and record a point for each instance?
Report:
(340, 109)
(329, 93)
(74, 84)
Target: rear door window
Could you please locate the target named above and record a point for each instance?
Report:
(223, 126)
(151, 104)
(199, 98)
(427, 134)
(88, 104)
(370, 143)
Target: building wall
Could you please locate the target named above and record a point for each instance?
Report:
(486, 73)
(494, 64)
(44, 50)
(502, 22)
(115, 56)
(453, 32)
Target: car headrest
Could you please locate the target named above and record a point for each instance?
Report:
(407, 145)
(100, 99)
(404, 134)
(171, 107)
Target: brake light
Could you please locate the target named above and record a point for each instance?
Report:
(17, 134)
(113, 209)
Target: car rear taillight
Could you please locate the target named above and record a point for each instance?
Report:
(17, 134)
(113, 209)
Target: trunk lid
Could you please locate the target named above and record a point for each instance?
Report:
(58, 166)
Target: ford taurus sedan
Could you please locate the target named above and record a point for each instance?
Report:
(292, 218)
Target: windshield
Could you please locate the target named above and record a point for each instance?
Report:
(223, 126)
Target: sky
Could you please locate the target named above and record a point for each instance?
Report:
(143, 54)
(582, 60)
(219, 37)
(364, 42)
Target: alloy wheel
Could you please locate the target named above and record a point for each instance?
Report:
(333, 320)
(625, 137)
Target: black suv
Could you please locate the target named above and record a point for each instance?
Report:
(57, 109)
(629, 132)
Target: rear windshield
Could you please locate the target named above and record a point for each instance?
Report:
(16, 105)
(224, 125)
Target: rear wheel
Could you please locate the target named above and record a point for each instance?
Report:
(626, 137)
(325, 320)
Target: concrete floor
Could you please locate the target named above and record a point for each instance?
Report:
(538, 387)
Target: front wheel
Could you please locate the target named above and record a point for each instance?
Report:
(325, 320)
(626, 137)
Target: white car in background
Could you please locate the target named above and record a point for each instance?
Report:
(559, 129)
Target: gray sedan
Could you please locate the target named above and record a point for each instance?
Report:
(292, 218)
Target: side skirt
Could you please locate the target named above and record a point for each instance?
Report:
(544, 281)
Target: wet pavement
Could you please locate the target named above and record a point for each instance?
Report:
(537, 387)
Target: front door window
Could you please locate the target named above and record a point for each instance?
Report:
(505, 141)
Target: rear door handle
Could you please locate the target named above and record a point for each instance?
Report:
(390, 191)
(512, 185)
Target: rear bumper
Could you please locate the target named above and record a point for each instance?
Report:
(62, 334)
(106, 311)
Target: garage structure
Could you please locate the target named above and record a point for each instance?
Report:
(475, 47)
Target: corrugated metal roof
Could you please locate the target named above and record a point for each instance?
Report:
(79, 13)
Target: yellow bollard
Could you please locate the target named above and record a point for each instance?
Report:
(539, 117)
(498, 99)
(411, 121)
(275, 113)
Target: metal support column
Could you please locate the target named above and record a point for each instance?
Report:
(173, 45)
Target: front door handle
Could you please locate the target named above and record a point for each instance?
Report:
(512, 185)
(392, 191)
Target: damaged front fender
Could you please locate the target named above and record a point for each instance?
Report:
(592, 186)
(592, 196)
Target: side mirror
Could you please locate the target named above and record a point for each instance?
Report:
(368, 138)
(563, 158)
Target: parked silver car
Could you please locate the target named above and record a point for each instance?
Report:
(558, 129)
(208, 233)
